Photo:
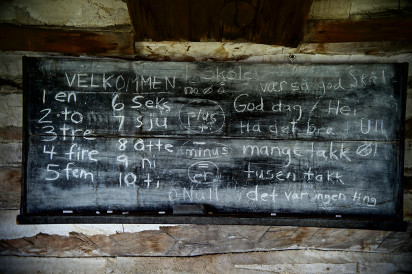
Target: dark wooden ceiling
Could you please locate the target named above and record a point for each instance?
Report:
(258, 21)
(273, 22)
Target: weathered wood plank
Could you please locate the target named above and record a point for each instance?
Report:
(291, 261)
(238, 18)
(220, 20)
(197, 240)
(337, 31)
(10, 154)
(10, 187)
(10, 230)
(11, 110)
(205, 20)
(11, 70)
(301, 268)
(378, 48)
(408, 155)
(11, 134)
(281, 22)
(407, 204)
(368, 9)
(24, 38)
(160, 20)
(407, 185)
(9, 86)
(329, 9)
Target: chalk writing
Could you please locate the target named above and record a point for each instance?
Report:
(245, 138)
(202, 116)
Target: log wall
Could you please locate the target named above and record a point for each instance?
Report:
(183, 248)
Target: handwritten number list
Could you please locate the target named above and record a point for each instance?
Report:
(262, 138)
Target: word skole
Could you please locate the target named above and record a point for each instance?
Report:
(241, 139)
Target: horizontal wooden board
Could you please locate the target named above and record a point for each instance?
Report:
(121, 136)
(10, 187)
(281, 22)
(195, 240)
(279, 261)
(11, 134)
(263, 21)
(24, 38)
(160, 20)
(367, 30)
(378, 48)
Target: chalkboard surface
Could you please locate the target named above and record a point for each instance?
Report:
(121, 137)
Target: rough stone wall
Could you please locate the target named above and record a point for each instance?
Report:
(124, 248)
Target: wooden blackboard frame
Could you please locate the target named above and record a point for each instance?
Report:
(338, 221)
(394, 222)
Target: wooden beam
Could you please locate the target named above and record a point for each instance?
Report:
(377, 48)
(205, 20)
(367, 30)
(10, 187)
(237, 19)
(281, 22)
(160, 20)
(195, 240)
(24, 38)
(260, 21)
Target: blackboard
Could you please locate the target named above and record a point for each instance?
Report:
(131, 141)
